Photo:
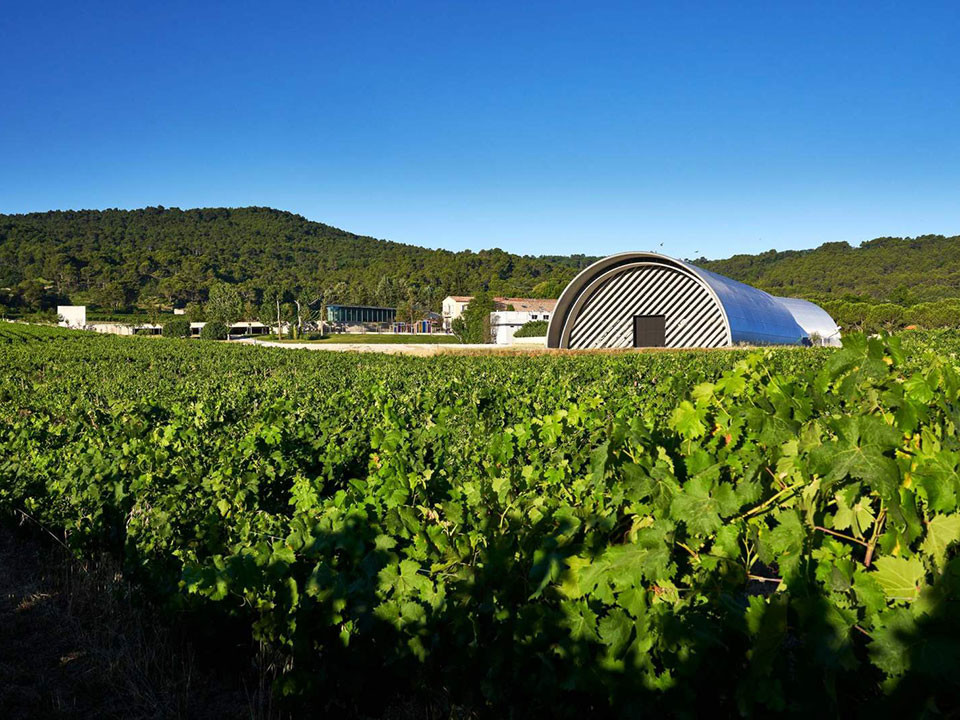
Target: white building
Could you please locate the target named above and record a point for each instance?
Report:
(505, 323)
(453, 306)
(509, 312)
(243, 327)
(72, 316)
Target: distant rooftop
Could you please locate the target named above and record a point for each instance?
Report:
(528, 304)
(519, 304)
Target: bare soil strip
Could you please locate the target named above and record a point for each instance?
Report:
(74, 644)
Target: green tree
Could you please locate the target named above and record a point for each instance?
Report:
(225, 304)
(474, 325)
(194, 312)
(214, 330)
(178, 327)
(112, 295)
(884, 316)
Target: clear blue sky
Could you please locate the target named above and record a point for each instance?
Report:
(550, 127)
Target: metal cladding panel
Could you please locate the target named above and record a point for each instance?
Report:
(812, 318)
(755, 317)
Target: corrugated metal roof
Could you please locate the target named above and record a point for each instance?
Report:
(813, 319)
(755, 316)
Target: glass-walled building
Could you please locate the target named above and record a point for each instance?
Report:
(356, 314)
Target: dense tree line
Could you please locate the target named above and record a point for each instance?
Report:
(903, 271)
(161, 257)
(124, 260)
(874, 317)
(884, 284)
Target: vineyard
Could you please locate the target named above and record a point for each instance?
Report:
(733, 532)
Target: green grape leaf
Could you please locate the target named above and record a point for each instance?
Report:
(784, 544)
(624, 566)
(890, 644)
(858, 517)
(688, 420)
(900, 578)
(580, 620)
(942, 531)
(696, 508)
(858, 452)
(917, 389)
(868, 591)
(615, 630)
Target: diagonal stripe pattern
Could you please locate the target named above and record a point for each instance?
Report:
(693, 316)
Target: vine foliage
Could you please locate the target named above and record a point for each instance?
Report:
(748, 532)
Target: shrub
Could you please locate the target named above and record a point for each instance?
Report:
(534, 328)
(214, 330)
(178, 328)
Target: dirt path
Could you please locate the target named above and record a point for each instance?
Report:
(420, 349)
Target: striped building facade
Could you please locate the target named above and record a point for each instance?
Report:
(650, 300)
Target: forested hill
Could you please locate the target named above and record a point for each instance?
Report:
(119, 258)
(906, 271)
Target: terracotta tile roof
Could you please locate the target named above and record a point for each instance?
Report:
(528, 304)
(519, 304)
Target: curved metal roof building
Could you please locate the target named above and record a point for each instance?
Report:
(644, 299)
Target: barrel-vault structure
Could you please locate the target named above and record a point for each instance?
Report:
(644, 299)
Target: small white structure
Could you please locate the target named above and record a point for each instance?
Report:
(453, 307)
(115, 328)
(243, 327)
(72, 316)
(505, 323)
(510, 310)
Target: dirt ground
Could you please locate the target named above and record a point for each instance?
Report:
(75, 644)
(428, 350)
(419, 349)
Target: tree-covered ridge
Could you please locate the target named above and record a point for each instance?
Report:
(120, 258)
(158, 257)
(905, 271)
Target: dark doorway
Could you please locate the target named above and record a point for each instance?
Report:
(649, 330)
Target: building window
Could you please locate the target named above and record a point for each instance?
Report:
(546, 317)
(533, 316)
